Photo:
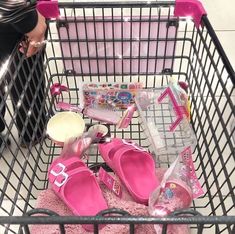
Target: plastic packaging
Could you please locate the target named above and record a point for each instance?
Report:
(127, 117)
(121, 95)
(177, 190)
(165, 119)
(101, 114)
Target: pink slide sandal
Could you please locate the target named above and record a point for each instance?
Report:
(134, 165)
(76, 185)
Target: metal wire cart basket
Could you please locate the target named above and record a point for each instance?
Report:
(117, 42)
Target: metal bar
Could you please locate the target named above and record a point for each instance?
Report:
(133, 4)
(229, 220)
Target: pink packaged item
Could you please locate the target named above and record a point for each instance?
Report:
(102, 94)
(97, 113)
(127, 117)
(110, 182)
(177, 190)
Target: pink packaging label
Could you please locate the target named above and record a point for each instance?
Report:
(189, 172)
(110, 182)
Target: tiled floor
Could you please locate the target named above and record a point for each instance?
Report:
(222, 17)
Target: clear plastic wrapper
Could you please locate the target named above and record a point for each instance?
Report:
(177, 190)
(164, 116)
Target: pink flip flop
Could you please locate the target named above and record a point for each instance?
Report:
(134, 165)
(76, 185)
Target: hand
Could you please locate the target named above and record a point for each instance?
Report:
(35, 38)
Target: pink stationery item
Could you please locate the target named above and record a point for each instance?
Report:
(188, 173)
(70, 178)
(121, 95)
(127, 116)
(134, 166)
(101, 114)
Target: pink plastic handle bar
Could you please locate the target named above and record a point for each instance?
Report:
(57, 88)
(48, 8)
(190, 8)
(178, 109)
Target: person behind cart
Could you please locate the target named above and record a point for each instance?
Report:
(20, 19)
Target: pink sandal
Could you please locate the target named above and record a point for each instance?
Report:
(134, 165)
(76, 185)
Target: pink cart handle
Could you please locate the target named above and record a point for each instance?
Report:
(179, 110)
(48, 8)
(191, 8)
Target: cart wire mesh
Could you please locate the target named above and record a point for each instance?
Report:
(118, 42)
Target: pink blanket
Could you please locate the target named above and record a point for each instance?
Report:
(47, 199)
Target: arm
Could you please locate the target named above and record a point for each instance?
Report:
(25, 19)
(20, 13)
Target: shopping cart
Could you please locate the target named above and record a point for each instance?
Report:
(114, 42)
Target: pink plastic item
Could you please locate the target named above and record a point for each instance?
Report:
(127, 116)
(57, 88)
(180, 111)
(76, 147)
(70, 178)
(134, 166)
(48, 8)
(110, 182)
(190, 173)
(178, 188)
(174, 196)
(101, 114)
(183, 85)
(190, 8)
(69, 107)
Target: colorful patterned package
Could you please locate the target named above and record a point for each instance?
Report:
(118, 95)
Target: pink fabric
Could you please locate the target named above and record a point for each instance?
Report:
(47, 199)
